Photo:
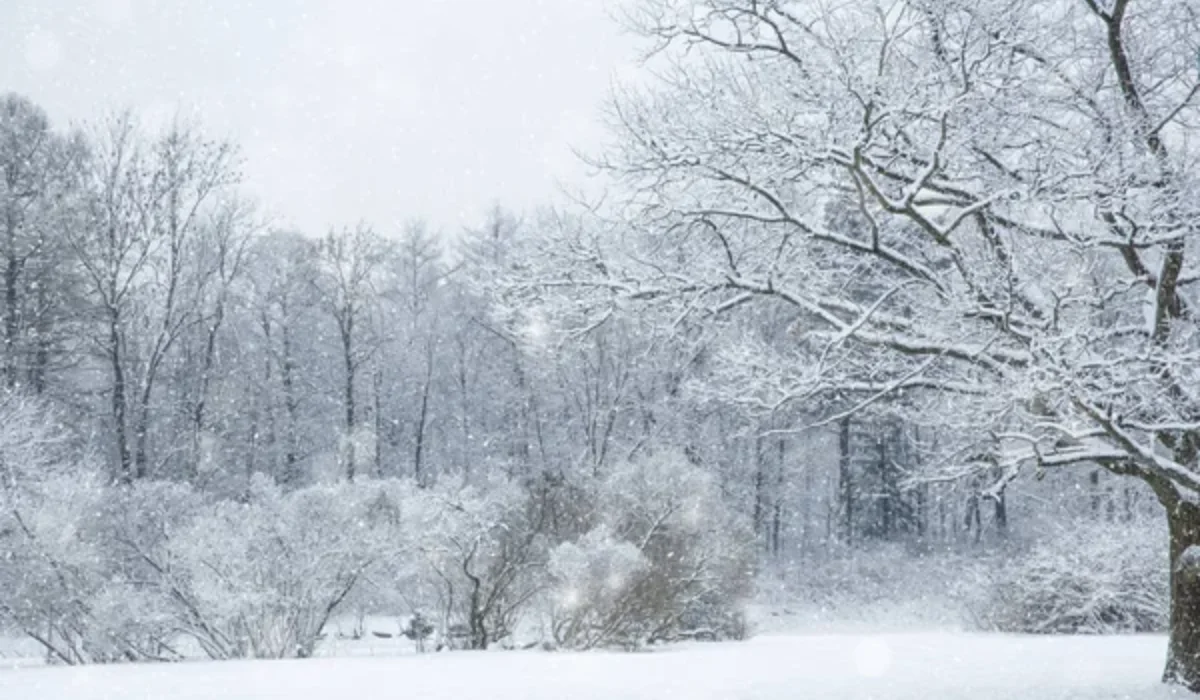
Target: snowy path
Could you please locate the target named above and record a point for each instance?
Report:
(821, 667)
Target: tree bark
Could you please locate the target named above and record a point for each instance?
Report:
(845, 482)
(348, 399)
(141, 431)
(377, 437)
(760, 493)
(42, 342)
(419, 448)
(124, 464)
(291, 405)
(1000, 501)
(12, 311)
(205, 380)
(1183, 652)
(777, 501)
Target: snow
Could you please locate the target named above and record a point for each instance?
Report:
(939, 666)
(1189, 561)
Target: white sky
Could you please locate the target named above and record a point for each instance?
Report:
(383, 110)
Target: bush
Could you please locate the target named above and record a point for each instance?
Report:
(262, 578)
(485, 550)
(98, 573)
(62, 582)
(595, 579)
(668, 559)
(70, 581)
(1092, 579)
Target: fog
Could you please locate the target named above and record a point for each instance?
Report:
(366, 109)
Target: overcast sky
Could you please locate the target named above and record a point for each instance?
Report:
(376, 109)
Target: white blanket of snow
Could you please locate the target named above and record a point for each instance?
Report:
(825, 667)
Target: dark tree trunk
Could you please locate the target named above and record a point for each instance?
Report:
(41, 340)
(760, 491)
(845, 482)
(464, 418)
(267, 409)
(1183, 653)
(419, 448)
(888, 498)
(377, 389)
(291, 405)
(206, 369)
(12, 309)
(423, 421)
(141, 431)
(1001, 514)
(119, 403)
(12, 317)
(777, 501)
(348, 401)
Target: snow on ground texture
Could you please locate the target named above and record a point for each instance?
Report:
(827, 667)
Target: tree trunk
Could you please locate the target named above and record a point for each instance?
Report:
(1183, 653)
(1000, 501)
(419, 448)
(42, 341)
(12, 318)
(291, 405)
(12, 277)
(777, 501)
(205, 380)
(423, 421)
(348, 402)
(119, 404)
(141, 437)
(888, 496)
(377, 438)
(760, 493)
(845, 482)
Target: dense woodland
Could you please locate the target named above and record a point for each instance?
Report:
(881, 304)
(176, 335)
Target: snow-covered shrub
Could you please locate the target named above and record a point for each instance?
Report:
(49, 571)
(594, 579)
(262, 578)
(132, 527)
(70, 581)
(668, 559)
(486, 550)
(1100, 578)
(60, 584)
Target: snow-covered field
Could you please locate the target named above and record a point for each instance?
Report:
(821, 667)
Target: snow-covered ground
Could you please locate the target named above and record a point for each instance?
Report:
(827, 667)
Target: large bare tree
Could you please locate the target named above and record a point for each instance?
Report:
(986, 208)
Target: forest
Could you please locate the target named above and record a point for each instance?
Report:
(885, 312)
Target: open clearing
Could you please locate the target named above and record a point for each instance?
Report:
(828, 667)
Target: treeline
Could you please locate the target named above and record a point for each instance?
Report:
(217, 435)
(180, 336)
(243, 431)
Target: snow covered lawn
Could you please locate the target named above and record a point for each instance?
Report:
(820, 667)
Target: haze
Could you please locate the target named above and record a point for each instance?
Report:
(365, 109)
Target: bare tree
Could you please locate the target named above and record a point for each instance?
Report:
(1020, 179)
(37, 184)
(222, 252)
(352, 264)
(281, 294)
(139, 249)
